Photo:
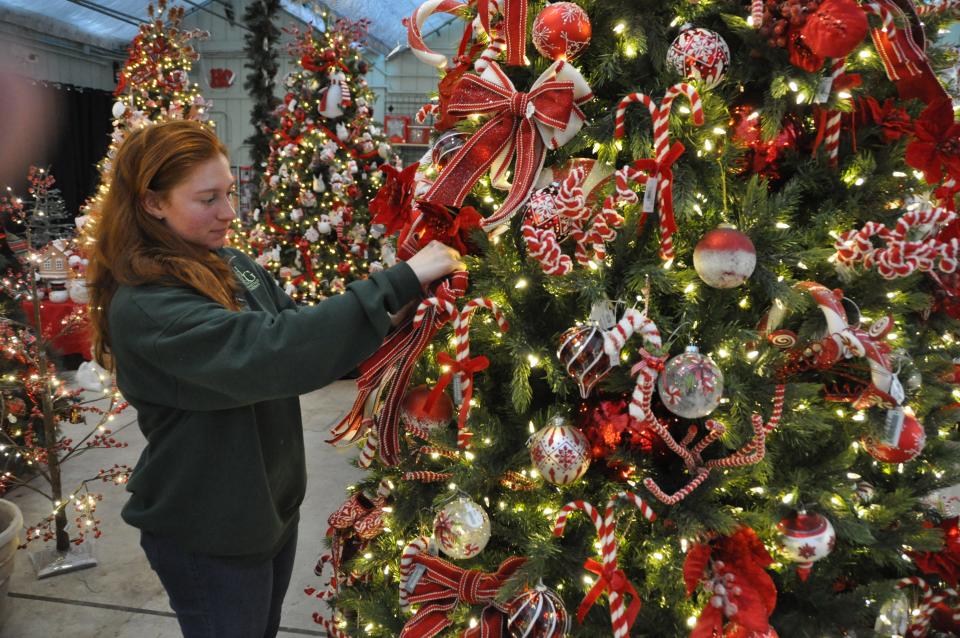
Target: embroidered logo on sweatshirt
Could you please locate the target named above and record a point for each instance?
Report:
(246, 277)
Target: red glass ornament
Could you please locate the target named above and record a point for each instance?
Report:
(582, 354)
(537, 613)
(901, 439)
(561, 31)
(415, 414)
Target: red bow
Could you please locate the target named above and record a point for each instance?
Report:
(663, 171)
(511, 134)
(614, 581)
(468, 368)
(443, 586)
(304, 247)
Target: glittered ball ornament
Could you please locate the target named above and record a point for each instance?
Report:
(806, 538)
(561, 31)
(560, 452)
(900, 439)
(417, 413)
(724, 258)
(699, 54)
(461, 528)
(691, 384)
(537, 613)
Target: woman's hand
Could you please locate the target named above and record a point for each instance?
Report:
(434, 261)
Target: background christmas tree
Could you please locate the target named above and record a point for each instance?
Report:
(313, 227)
(154, 84)
(806, 133)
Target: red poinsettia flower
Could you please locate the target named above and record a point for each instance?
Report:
(893, 121)
(946, 562)
(393, 202)
(739, 562)
(439, 223)
(936, 143)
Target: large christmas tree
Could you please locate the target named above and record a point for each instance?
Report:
(678, 426)
(313, 226)
(154, 84)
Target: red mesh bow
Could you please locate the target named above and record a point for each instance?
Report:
(443, 586)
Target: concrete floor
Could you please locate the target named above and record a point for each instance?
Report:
(122, 597)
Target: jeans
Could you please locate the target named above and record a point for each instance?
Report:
(218, 598)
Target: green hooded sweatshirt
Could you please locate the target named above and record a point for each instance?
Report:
(216, 393)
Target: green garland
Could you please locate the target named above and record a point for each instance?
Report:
(262, 62)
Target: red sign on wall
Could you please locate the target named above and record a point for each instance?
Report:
(221, 78)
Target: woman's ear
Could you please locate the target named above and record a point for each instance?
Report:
(154, 205)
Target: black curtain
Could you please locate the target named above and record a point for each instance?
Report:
(76, 139)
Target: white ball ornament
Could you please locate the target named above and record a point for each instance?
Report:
(699, 54)
(560, 452)
(806, 538)
(724, 258)
(118, 110)
(461, 528)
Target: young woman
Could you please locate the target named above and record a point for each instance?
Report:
(212, 354)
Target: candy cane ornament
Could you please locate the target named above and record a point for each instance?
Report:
(904, 252)
(461, 331)
(832, 130)
(611, 578)
(659, 171)
(411, 549)
(920, 625)
(415, 23)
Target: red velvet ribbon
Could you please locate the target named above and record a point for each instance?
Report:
(468, 368)
(394, 362)
(513, 26)
(663, 170)
(904, 56)
(613, 580)
(511, 129)
(443, 586)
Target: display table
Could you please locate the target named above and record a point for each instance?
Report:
(52, 317)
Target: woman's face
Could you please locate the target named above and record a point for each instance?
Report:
(199, 209)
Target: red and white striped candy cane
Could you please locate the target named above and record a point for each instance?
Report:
(756, 13)
(461, 332)
(494, 50)
(430, 108)
(414, 26)
(662, 147)
(885, 15)
(543, 246)
(411, 549)
(330, 626)
(831, 138)
(369, 451)
(606, 535)
(929, 600)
